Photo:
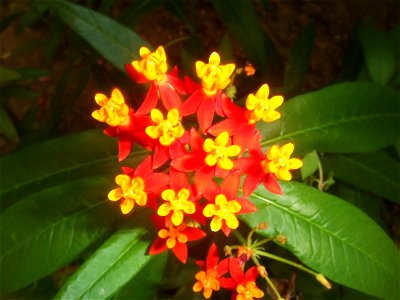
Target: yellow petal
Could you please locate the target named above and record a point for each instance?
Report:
(126, 206)
(251, 102)
(115, 194)
(233, 150)
(263, 92)
(287, 149)
(122, 180)
(222, 138)
(209, 210)
(168, 195)
(173, 116)
(220, 200)
(231, 221)
(216, 224)
(208, 145)
(225, 163)
(100, 99)
(177, 217)
(210, 160)
(156, 115)
(234, 206)
(284, 174)
(171, 242)
(143, 51)
(163, 233)
(214, 59)
(164, 210)
(295, 163)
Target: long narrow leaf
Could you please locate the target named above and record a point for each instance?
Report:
(331, 236)
(112, 265)
(343, 118)
(117, 43)
(56, 161)
(51, 228)
(375, 172)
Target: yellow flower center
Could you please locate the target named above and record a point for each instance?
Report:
(168, 130)
(278, 161)
(177, 203)
(222, 210)
(206, 281)
(248, 291)
(173, 234)
(261, 107)
(219, 152)
(113, 111)
(131, 190)
(153, 64)
(214, 76)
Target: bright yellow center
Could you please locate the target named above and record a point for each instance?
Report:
(176, 203)
(131, 190)
(261, 107)
(248, 291)
(278, 161)
(113, 111)
(219, 152)
(222, 210)
(173, 233)
(153, 64)
(214, 76)
(206, 281)
(168, 130)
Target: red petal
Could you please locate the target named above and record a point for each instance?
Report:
(243, 136)
(235, 270)
(251, 182)
(225, 229)
(150, 101)
(192, 103)
(230, 125)
(128, 171)
(135, 75)
(230, 185)
(203, 177)
(205, 113)
(272, 185)
(218, 104)
(248, 165)
(196, 142)
(223, 267)
(124, 146)
(176, 149)
(178, 84)
(111, 131)
(158, 246)
(181, 251)
(169, 96)
(191, 86)
(144, 169)
(251, 274)
(227, 283)
(233, 110)
(161, 156)
(156, 181)
(255, 146)
(194, 234)
(211, 191)
(200, 263)
(212, 257)
(187, 163)
(247, 206)
(177, 180)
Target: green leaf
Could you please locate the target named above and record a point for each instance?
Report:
(7, 127)
(310, 164)
(299, 60)
(375, 172)
(379, 53)
(49, 229)
(331, 236)
(7, 75)
(144, 285)
(117, 43)
(343, 118)
(60, 160)
(120, 258)
(241, 20)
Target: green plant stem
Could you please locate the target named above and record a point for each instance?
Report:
(321, 182)
(286, 261)
(269, 282)
(257, 244)
(239, 237)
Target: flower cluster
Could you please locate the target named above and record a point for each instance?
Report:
(192, 176)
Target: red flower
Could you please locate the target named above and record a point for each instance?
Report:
(138, 186)
(243, 284)
(174, 238)
(153, 67)
(209, 279)
(252, 166)
(224, 204)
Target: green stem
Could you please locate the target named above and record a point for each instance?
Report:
(255, 245)
(286, 261)
(269, 282)
(239, 237)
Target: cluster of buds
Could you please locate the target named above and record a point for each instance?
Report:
(192, 176)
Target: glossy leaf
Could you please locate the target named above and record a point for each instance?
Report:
(115, 42)
(56, 161)
(241, 20)
(120, 258)
(49, 229)
(379, 54)
(299, 60)
(375, 172)
(7, 127)
(144, 285)
(330, 236)
(310, 164)
(343, 118)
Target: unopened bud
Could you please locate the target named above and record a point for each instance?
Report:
(321, 278)
(228, 251)
(262, 226)
(263, 272)
(281, 239)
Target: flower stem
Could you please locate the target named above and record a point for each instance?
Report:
(269, 282)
